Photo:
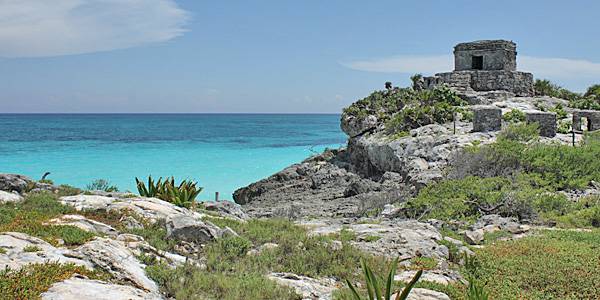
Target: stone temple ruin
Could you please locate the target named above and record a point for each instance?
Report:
(481, 66)
(489, 68)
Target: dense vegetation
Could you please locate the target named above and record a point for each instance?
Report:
(588, 100)
(403, 109)
(517, 176)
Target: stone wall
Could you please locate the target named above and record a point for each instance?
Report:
(518, 83)
(486, 118)
(592, 116)
(495, 55)
(546, 121)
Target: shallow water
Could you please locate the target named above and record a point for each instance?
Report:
(221, 152)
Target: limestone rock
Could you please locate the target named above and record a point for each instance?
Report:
(404, 239)
(440, 276)
(10, 197)
(354, 126)
(84, 224)
(226, 208)
(143, 206)
(309, 288)
(454, 241)
(510, 225)
(190, 229)
(473, 237)
(391, 211)
(14, 244)
(425, 294)
(114, 257)
(130, 222)
(14, 182)
(76, 288)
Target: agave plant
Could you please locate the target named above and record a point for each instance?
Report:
(182, 195)
(152, 190)
(476, 291)
(373, 290)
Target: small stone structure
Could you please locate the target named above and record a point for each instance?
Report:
(486, 65)
(486, 118)
(592, 116)
(546, 121)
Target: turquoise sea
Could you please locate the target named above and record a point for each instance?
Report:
(222, 152)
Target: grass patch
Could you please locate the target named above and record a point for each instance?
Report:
(28, 217)
(32, 280)
(498, 234)
(32, 249)
(559, 265)
(231, 274)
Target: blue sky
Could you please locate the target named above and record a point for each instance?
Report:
(162, 56)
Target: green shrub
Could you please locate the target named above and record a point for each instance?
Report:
(564, 126)
(514, 116)
(519, 133)
(101, 185)
(49, 181)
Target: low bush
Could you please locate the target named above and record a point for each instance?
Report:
(513, 116)
(101, 185)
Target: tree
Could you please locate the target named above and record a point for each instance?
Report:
(417, 80)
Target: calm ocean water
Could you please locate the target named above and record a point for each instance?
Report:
(221, 152)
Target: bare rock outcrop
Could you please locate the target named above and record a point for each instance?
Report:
(78, 288)
(9, 197)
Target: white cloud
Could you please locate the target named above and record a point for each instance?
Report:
(403, 64)
(550, 67)
(558, 67)
(31, 28)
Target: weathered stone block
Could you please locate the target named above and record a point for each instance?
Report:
(486, 118)
(486, 55)
(546, 121)
(592, 116)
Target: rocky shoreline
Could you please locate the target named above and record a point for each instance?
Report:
(359, 189)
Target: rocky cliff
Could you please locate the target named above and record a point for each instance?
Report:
(396, 146)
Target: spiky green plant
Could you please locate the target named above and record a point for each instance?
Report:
(182, 195)
(152, 190)
(373, 290)
(476, 291)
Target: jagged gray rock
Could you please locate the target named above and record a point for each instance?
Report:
(190, 229)
(226, 208)
(354, 126)
(404, 239)
(15, 182)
